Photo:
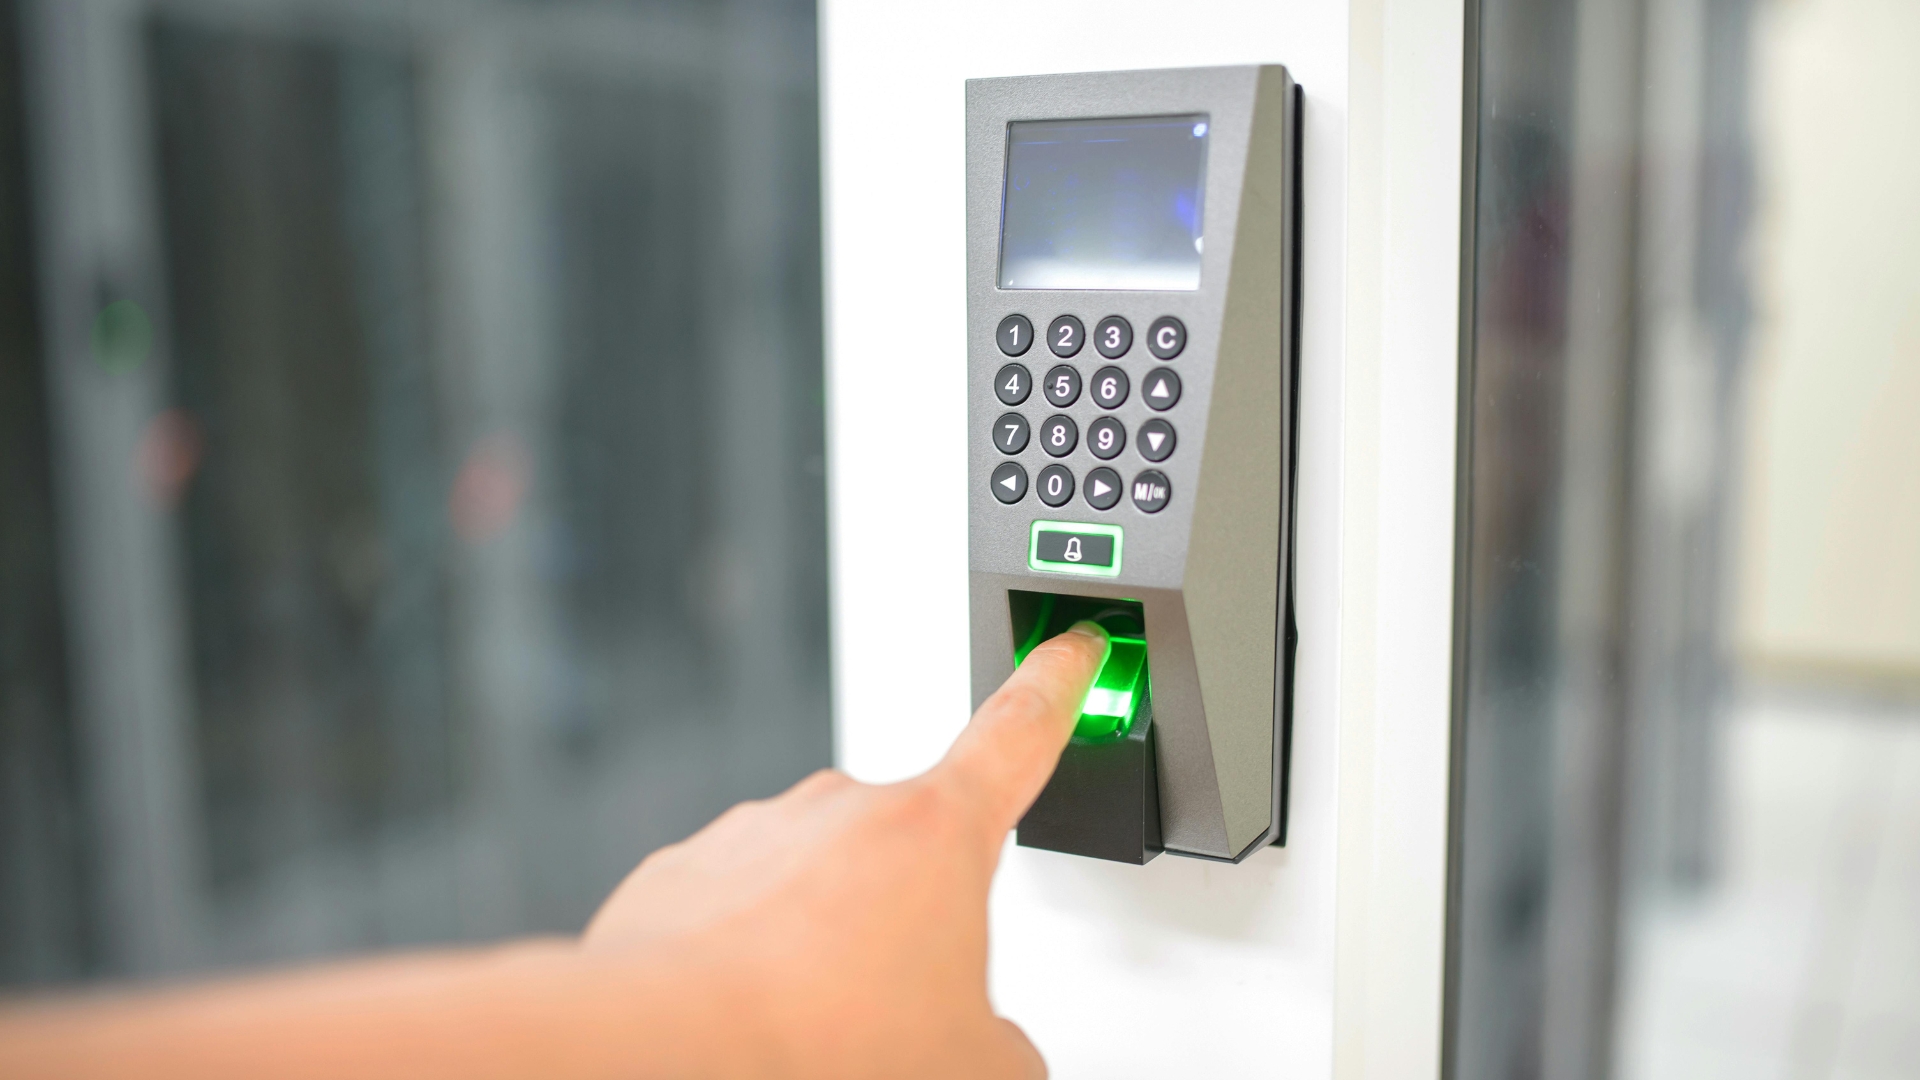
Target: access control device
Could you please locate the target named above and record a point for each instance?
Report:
(1132, 284)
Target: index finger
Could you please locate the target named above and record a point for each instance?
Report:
(1013, 742)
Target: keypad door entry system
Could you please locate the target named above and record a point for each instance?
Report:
(1132, 296)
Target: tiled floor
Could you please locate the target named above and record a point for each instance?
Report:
(1802, 962)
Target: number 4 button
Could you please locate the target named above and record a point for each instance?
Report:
(1013, 384)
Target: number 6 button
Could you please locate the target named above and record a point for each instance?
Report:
(1109, 387)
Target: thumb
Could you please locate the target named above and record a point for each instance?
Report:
(1013, 742)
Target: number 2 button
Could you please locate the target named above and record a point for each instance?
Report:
(1065, 335)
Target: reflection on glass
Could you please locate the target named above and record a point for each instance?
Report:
(1104, 204)
(1689, 784)
(481, 442)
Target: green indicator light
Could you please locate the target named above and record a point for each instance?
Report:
(1070, 547)
(1108, 708)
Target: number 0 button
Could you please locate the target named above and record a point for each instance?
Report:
(1065, 335)
(1113, 337)
(1010, 433)
(1161, 390)
(1059, 435)
(1013, 384)
(1056, 485)
(1009, 483)
(1015, 335)
(1166, 337)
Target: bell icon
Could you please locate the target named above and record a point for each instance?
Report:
(1073, 549)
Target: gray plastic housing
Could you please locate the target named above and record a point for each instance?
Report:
(1213, 570)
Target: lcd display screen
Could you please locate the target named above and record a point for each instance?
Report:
(1104, 204)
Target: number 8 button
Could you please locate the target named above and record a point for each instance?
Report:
(1059, 435)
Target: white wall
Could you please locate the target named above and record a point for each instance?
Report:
(1182, 968)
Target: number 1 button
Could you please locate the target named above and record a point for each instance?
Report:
(1015, 335)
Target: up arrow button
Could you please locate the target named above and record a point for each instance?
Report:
(1163, 389)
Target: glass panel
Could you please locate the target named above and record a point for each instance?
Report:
(1688, 816)
(42, 874)
(485, 430)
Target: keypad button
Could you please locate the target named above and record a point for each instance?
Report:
(1106, 437)
(1062, 386)
(1010, 433)
(1151, 491)
(1156, 440)
(1160, 389)
(1015, 335)
(1055, 485)
(1009, 483)
(1065, 335)
(1166, 337)
(1103, 489)
(1113, 337)
(1012, 384)
(1110, 387)
(1059, 435)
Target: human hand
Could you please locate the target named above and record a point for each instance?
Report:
(839, 930)
(844, 925)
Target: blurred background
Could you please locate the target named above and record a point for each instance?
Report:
(412, 505)
(1687, 789)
